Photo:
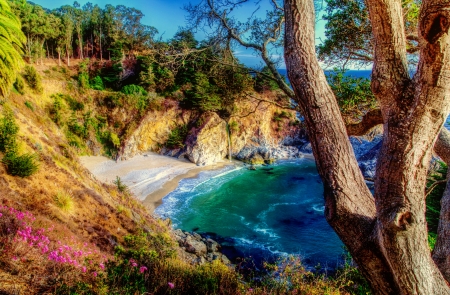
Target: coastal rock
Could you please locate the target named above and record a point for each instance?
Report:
(208, 143)
(198, 249)
(153, 131)
(194, 246)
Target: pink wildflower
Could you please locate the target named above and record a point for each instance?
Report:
(94, 274)
(171, 285)
(1, 214)
(102, 266)
(142, 269)
(83, 269)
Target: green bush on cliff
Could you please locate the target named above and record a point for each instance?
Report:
(177, 137)
(8, 131)
(19, 84)
(33, 79)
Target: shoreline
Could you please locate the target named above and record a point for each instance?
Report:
(149, 176)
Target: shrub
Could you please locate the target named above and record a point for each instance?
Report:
(114, 138)
(121, 187)
(83, 76)
(56, 108)
(97, 83)
(19, 85)
(33, 79)
(133, 90)
(23, 166)
(74, 104)
(177, 137)
(64, 201)
(29, 105)
(8, 131)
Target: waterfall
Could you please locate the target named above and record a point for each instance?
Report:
(229, 141)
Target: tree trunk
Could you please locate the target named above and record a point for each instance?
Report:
(388, 237)
(101, 50)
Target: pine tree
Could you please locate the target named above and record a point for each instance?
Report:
(11, 44)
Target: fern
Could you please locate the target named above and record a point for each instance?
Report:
(11, 44)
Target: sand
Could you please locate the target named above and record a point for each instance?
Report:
(150, 176)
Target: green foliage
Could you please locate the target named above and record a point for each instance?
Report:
(20, 84)
(11, 43)
(279, 116)
(8, 131)
(353, 95)
(33, 79)
(115, 140)
(29, 105)
(436, 185)
(263, 82)
(56, 109)
(177, 137)
(23, 166)
(97, 83)
(74, 104)
(134, 90)
(83, 75)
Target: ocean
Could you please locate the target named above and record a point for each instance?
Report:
(268, 213)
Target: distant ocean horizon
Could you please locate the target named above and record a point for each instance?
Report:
(352, 73)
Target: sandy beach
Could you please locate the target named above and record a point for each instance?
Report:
(150, 176)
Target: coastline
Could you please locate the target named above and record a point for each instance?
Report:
(150, 176)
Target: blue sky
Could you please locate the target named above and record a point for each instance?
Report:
(168, 16)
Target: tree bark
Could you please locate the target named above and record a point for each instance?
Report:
(388, 237)
(349, 206)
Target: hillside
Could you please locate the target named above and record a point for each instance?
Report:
(62, 231)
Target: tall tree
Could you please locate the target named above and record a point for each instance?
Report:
(386, 233)
(11, 44)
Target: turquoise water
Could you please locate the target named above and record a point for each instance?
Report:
(275, 210)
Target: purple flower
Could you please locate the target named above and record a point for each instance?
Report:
(142, 269)
(171, 285)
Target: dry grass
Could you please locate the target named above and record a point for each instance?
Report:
(64, 201)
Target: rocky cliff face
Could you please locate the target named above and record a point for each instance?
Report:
(259, 131)
(208, 143)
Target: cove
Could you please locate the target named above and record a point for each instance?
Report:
(265, 213)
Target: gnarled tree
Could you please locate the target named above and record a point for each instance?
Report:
(387, 233)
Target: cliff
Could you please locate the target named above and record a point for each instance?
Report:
(258, 131)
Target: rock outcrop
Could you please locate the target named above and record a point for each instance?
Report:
(208, 143)
(259, 132)
(199, 249)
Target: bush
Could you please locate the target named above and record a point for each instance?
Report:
(114, 138)
(97, 83)
(83, 80)
(8, 132)
(19, 85)
(64, 201)
(56, 108)
(134, 90)
(121, 187)
(177, 137)
(33, 79)
(23, 166)
(29, 105)
(83, 76)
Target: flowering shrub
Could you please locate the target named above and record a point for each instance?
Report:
(24, 247)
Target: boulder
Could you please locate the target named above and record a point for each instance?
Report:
(195, 246)
(208, 143)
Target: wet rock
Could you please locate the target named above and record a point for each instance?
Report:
(212, 246)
